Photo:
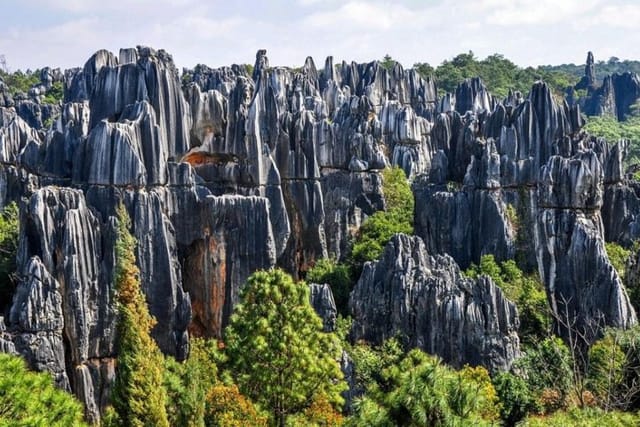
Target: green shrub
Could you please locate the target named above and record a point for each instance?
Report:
(338, 276)
(30, 399)
(584, 417)
(9, 232)
(618, 257)
(526, 291)
(377, 230)
(420, 390)
(55, 94)
(187, 383)
(606, 370)
(516, 400)
(548, 371)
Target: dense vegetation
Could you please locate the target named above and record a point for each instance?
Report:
(602, 68)
(20, 82)
(30, 399)
(278, 352)
(499, 74)
(138, 397)
(526, 291)
(612, 130)
(8, 247)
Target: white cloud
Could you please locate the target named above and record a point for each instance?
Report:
(529, 32)
(538, 12)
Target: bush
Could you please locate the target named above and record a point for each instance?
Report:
(369, 362)
(606, 370)
(377, 230)
(187, 383)
(548, 371)
(618, 256)
(527, 292)
(55, 94)
(585, 417)
(9, 233)
(421, 391)
(30, 399)
(338, 276)
(226, 407)
(516, 400)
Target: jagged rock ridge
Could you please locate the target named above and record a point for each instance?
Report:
(224, 173)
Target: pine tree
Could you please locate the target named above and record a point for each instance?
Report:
(277, 349)
(139, 395)
(30, 398)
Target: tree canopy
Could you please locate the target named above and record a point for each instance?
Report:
(30, 399)
(277, 350)
(138, 396)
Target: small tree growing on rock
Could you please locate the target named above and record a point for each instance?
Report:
(139, 395)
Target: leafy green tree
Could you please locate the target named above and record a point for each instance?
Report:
(139, 395)
(30, 399)
(338, 276)
(424, 69)
(516, 400)
(548, 370)
(618, 257)
(19, 81)
(9, 230)
(377, 230)
(276, 347)
(55, 94)
(421, 391)
(226, 407)
(388, 62)
(187, 383)
(606, 369)
(369, 362)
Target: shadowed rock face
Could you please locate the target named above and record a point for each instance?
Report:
(429, 303)
(614, 97)
(224, 173)
(582, 285)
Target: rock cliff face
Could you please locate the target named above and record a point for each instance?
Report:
(429, 303)
(224, 173)
(533, 190)
(614, 97)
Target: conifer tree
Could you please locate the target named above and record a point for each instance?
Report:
(278, 352)
(139, 395)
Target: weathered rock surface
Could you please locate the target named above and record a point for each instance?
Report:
(429, 303)
(224, 173)
(614, 97)
(324, 305)
(584, 289)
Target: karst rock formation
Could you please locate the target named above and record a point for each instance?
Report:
(224, 172)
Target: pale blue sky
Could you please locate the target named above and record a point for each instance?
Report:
(65, 33)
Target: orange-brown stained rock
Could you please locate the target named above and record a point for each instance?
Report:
(199, 158)
(205, 279)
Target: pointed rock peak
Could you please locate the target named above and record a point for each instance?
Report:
(590, 70)
(262, 63)
(309, 65)
(329, 70)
